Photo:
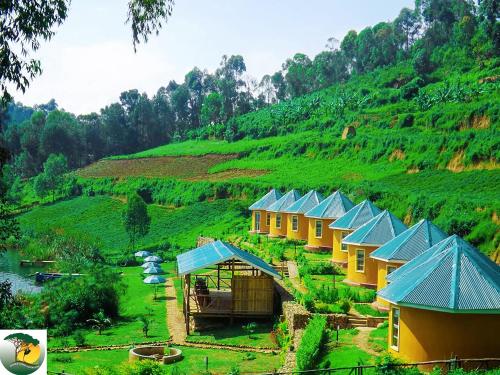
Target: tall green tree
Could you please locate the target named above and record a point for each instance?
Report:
(407, 26)
(298, 74)
(136, 218)
(52, 178)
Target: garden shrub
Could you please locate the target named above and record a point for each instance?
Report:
(311, 343)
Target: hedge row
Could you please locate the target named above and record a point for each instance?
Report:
(311, 343)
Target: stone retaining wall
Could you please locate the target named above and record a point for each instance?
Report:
(297, 317)
(374, 322)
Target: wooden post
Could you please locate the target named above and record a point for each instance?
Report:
(188, 286)
(218, 276)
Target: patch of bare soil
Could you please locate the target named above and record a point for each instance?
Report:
(181, 167)
(456, 164)
(476, 122)
(397, 155)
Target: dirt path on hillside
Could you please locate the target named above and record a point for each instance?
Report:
(361, 340)
(293, 273)
(175, 319)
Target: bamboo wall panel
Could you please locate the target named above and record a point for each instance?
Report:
(252, 294)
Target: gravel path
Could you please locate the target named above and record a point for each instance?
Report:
(175, 318)
(361, 340)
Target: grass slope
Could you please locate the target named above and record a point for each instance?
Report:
(100, 218)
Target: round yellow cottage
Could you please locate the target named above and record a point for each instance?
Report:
(348, 223)
(444, 303)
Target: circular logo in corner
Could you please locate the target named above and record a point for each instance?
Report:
(22, 353)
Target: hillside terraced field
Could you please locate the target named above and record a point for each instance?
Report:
(191, 168)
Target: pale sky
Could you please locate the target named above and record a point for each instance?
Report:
(91, 60)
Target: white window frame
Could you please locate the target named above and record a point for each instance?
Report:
(268, 219)
(278, 221)
(357, 251)
(343, 247)
(257, 220)
(320, 228)
(295, 220)
(394, 311)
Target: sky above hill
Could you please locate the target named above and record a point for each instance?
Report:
(91, 60)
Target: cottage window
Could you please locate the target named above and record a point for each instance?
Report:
(268, 219)
(295, 223)
(319, 229)
(343, 246)
(395, 329)
(257, 221)
(360, 260)
(278, 221)
(389, 270)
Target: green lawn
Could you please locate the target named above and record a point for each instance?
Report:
(365, 309)
(236, 335)
(344, 353)
(100, 218)
(138, 300)
(378, 338)
(220, 361)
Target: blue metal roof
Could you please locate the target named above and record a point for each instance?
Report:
(425, 256)
(456, 278)
(285, 201)
(217, 252)
(263, 203)
(382, 228)
(356, 216)
(304, 204)
(333, 207)
(411, 243)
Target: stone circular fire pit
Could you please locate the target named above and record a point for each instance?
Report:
(161, 354)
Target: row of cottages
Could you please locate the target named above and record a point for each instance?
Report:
(369, 242)
(444, 303)
(443, 295)
(306, 218)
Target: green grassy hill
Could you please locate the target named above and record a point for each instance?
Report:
(423, 148)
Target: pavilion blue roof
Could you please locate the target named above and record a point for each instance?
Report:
(382, 228)
(332, 207)
(356, 216)
(411, 243)
(456, 277)
(305, 203)
(285, 201)
(217, 252)
(263, 203)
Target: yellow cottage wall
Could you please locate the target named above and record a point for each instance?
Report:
(431, 335)
(302, 229)
(278, 232)
(339, 256)
(325, 241)
(264, 228)
(369, 276)
(381, 281)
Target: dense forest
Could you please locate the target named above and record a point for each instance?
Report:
(209, 105)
